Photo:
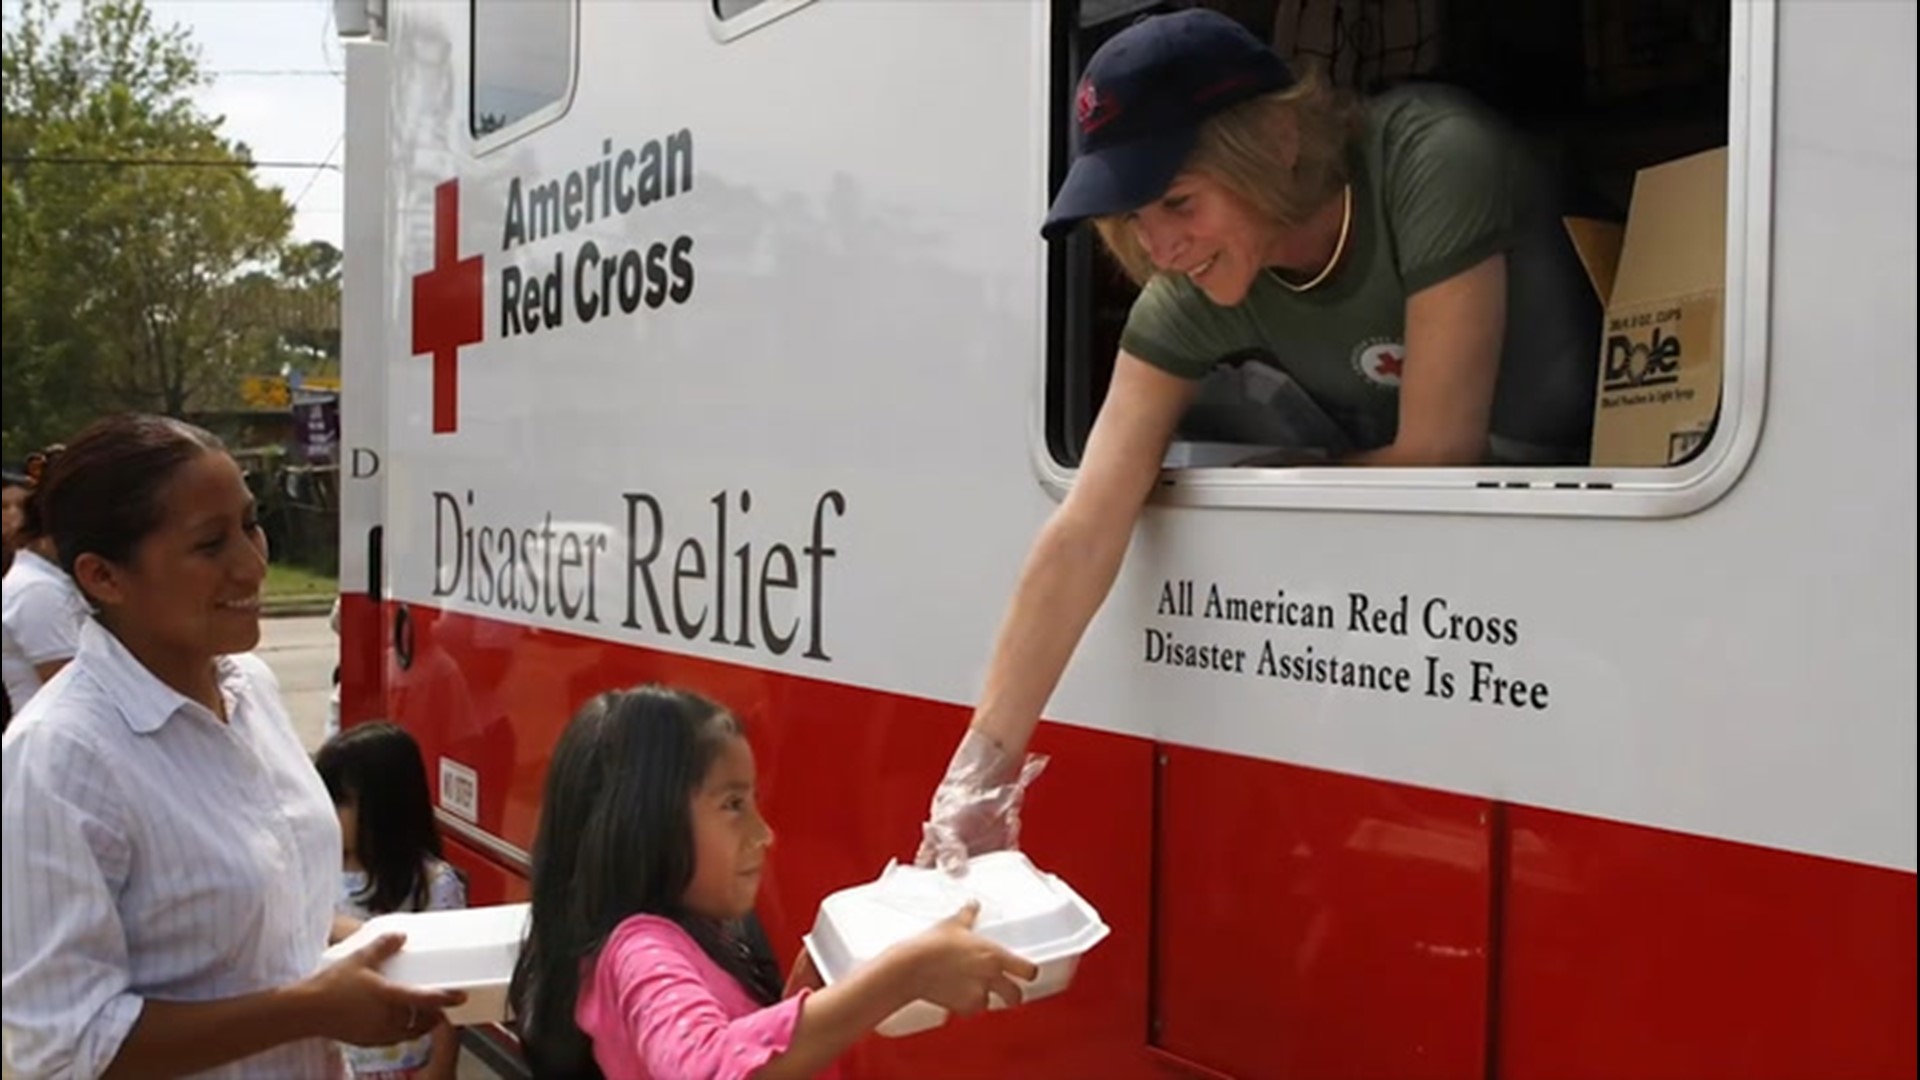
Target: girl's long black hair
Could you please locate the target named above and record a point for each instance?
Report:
(616, 840)
(377, 769)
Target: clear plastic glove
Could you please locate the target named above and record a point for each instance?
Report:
(976, 807)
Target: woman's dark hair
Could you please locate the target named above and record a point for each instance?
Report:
(102, 496)
(33, 514)
(376, 768)
(616, 840)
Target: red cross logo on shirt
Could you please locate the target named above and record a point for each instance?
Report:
(1382, 362)
(448, 309)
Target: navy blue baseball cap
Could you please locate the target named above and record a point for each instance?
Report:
(1140, 104)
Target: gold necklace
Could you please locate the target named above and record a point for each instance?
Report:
(1339, 248)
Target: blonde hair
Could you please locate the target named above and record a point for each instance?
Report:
(1243, 149)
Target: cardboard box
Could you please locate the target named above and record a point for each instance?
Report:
(1662, 282)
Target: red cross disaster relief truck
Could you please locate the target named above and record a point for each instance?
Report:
(714, 342)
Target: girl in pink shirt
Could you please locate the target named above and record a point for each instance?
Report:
(638, 964)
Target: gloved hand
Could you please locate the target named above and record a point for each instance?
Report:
(976, 807)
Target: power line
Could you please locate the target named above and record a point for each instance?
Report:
(258, 73)
(193, 163)
(275, 73)
(322, 167)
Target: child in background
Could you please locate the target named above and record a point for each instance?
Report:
(647, 862)
(392, 862)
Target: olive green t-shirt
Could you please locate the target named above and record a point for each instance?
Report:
(1438, 187)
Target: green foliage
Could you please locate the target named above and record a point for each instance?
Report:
(307, 315)
(286, 581)
(130, 286)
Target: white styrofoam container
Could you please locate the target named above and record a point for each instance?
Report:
(1034, 915)
(471, 949)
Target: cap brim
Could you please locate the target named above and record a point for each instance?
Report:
(1117, 179)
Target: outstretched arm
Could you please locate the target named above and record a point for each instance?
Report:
(1068, 572)
(1079, 551)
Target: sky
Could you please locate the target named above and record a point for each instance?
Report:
(276, 67)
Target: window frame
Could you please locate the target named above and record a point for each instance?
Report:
(732, 27)
(486, 142)
(1580, 491)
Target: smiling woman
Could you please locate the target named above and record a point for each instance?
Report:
(1401, 261)
(168, 549)
(172, 854)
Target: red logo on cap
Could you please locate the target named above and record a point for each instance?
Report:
(1091, 108)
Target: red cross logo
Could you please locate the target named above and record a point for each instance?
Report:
(1382, 362)
(1092, 108)
(448, 309)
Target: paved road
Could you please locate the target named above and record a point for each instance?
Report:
(302, 652)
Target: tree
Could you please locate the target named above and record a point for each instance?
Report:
(309, 318)
(311, 265)
(124, 283)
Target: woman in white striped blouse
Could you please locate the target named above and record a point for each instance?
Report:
(171, 856)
